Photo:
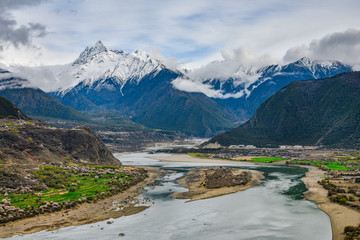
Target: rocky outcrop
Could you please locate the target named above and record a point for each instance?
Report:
(34, 143)
(216, 181)
(218, 177)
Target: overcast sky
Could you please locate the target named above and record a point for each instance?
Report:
(194, 32)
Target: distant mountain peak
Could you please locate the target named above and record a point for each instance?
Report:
(306, 61)
(141, 54)
(310, 63)
(91, 51)
(99, 44)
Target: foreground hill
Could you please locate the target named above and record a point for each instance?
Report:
(43, 169)
(314, 112)
(9, 110)
(27, 142)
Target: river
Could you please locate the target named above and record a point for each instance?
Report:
(274, 209)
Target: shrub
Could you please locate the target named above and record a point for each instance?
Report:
(349, 229)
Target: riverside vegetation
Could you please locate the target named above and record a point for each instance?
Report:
(252, 159)
(65, 185)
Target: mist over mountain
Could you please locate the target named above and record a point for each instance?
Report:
(34, 101)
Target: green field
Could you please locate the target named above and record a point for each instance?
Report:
(331, 165)
(68, 185)
(255, 159)
(206, 155)
(199, 155)
(266, 159)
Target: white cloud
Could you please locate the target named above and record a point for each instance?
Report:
(43, 77)
(188, 85)
(15, 35)
(247, 58)
(170, 62)
(188, 30)
(341, 46)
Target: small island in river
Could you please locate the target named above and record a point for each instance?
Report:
(216, 181)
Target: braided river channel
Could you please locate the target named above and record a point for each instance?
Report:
(275, 209)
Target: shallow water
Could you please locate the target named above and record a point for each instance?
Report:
(275, 209)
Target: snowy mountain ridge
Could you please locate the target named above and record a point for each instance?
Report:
(238, 81)
(98, 63)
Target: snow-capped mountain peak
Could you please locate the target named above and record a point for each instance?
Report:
(317, 67)
(313, 63)
(98, 63)
(141, 54)
(91, 51)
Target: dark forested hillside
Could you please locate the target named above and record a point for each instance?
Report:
(313, 112)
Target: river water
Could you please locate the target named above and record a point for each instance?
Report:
(274, 209)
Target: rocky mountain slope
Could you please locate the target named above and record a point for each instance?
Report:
(323, 112)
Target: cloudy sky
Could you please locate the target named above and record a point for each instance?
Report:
(194, 32)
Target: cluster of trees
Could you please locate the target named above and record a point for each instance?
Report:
(338, 195)
(352, 232)
(54, 177)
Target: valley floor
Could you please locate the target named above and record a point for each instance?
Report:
(122, 204)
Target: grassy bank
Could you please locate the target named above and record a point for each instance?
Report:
(66, 186)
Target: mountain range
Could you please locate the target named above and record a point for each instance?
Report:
(146, 91)
(323, 112)
(242, 90)
(140, 87)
